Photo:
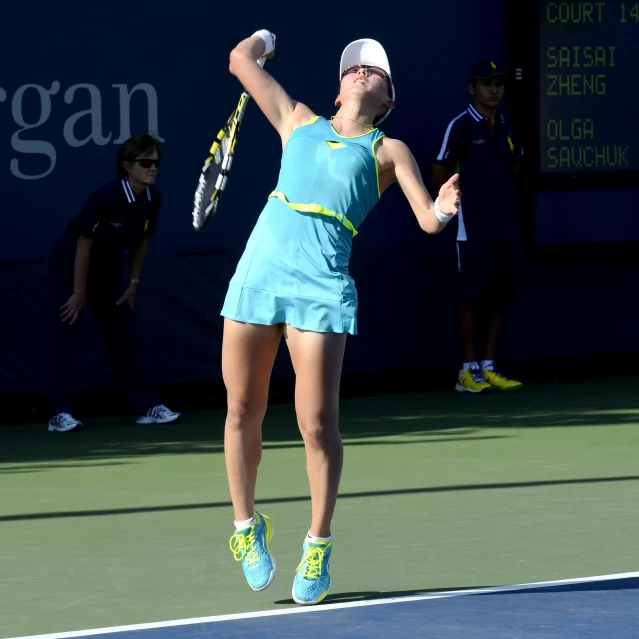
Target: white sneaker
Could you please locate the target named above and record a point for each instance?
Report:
(64, 423)
(158, 415)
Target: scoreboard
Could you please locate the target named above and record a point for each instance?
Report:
(588, 87)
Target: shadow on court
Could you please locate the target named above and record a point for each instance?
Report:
(457, 488)
(370, 595)
(408, 419)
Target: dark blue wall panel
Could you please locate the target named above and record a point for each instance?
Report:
(67, 100)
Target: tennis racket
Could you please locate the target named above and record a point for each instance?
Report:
(214, 174)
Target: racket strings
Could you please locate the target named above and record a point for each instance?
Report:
(213, 176)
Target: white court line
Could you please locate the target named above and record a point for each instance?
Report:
(327, 607)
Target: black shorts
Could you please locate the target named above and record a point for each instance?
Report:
(491, 269)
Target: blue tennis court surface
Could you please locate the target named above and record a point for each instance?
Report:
(604, 607)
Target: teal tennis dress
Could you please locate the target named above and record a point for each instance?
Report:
(294, 269)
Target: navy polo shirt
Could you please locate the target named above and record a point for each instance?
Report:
(115, 219)
(484, 156)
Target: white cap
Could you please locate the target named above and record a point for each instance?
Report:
(369, 52)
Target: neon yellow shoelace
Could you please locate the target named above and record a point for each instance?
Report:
(313, 558)
(244, 547)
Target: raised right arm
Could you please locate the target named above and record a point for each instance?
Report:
(284, 113)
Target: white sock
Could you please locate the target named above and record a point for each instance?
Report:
(240, 525)
(318, 540)
(468, 365)
(488, 364)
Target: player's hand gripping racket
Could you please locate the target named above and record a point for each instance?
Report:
(216, 168)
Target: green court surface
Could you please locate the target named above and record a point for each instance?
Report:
(125, 524)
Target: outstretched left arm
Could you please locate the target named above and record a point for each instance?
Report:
(397, 164)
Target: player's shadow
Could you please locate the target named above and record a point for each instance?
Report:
(369, 595)
(624, 583)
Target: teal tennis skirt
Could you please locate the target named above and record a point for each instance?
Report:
(294, 271)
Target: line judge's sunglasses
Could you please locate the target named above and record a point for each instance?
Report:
(146, 163)
(370, 71)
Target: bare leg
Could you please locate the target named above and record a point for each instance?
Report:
(317, 359)
(248, 354)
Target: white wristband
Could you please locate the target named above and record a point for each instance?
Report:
(444, 218)
(269, 40)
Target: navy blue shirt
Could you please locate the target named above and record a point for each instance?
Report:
(115, 219)
(484, 156)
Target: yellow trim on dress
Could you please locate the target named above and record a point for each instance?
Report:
(381, 137)
(350, 137)
(315, 208)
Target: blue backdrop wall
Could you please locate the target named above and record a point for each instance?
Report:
(82, 77)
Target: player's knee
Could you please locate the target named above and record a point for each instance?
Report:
(243, 412)
(318, 427)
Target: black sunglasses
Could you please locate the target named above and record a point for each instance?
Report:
(371, 70)
(145, 163)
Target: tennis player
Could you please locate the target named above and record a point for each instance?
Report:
(292, 281)
(84, 269)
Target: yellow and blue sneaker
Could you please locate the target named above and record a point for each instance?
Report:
(312, 580)
(472, 381)
(501, 382)
(251, 546)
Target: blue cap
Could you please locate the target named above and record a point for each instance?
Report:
(485, 69)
